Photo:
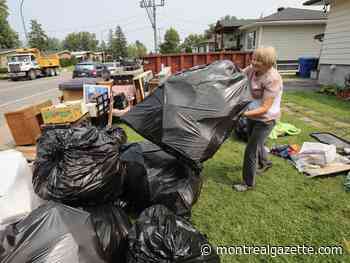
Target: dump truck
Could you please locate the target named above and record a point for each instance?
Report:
(31, 63)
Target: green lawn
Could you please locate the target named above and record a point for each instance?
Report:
(286, 208)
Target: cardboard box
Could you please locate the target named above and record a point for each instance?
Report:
(63, 113)
(25, 123)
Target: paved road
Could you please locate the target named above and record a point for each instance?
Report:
(18, 94)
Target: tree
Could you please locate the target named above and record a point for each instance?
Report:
(137, 50)
(117, 43)
(8, 37)
(81, 41)
(54, 44)
(208, 33)
(191, 41)
(171, 42)
(37, 37)
(103, 46)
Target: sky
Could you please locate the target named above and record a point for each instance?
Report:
(61, 17)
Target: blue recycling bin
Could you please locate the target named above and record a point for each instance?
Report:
(306, 65)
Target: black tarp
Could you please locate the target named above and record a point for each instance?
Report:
(159, 236)
(78, 166)
(192, 113)
(155, 177)
(50, 234)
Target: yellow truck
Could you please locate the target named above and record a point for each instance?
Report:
(31, 63)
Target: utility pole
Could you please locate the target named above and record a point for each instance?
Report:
(23, 23)
(151, 9)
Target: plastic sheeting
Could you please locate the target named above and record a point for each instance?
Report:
(159, 236)
(192, 113)
(78, 166)
(112, 226)
(155, 177)
(17, 198)
(50, 234)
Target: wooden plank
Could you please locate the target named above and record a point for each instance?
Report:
(333, 168)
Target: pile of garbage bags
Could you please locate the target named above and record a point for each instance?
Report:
(156, 177)
(88, 178)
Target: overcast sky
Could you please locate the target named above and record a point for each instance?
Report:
(60, 17)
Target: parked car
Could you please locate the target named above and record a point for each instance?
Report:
(92, 70)
(113, 67)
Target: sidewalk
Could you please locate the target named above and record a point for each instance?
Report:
(6, 139)
(301, 85)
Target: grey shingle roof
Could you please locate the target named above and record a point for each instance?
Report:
(316, 2)
(236, 23)
(291, 14)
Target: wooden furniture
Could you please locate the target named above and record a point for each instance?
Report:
(140, 82)
(25, 123)
(72, 95)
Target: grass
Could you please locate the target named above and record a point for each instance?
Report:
(286, 208)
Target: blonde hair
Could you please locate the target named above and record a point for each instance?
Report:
(267, 56)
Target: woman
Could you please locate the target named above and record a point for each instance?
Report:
(266, 87)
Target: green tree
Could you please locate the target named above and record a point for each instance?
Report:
(208, 33)
(171, 42)
(137, 50)
(8, 37)
(81, 41)
(37, 37)
(54, 44)
(191, 41)
(118, 43)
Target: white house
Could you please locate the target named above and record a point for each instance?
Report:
(335, 53)
(291, 31)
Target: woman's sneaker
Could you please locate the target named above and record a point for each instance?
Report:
(242, 187)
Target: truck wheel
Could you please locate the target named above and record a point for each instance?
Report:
(31, 74)
(57, 72)
(47, 72)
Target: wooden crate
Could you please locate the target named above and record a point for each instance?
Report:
(25, 123)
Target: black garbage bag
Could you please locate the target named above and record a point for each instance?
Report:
(112, 226)
(155, 177)
(241, 129)
(53, 233)
(159, 236)
(192, 113)
(78, 166)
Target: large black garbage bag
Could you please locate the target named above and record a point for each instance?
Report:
(155, 177)
(192, 114)
(112, 226)
(160, 236)
(78, 166)
(53, 233)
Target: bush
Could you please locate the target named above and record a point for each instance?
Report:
(68, 62)
(3, 70)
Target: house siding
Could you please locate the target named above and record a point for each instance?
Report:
(293, 42)
(336, 46)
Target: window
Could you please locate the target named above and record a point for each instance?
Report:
(251, 40)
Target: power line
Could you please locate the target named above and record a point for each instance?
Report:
(151, 9)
